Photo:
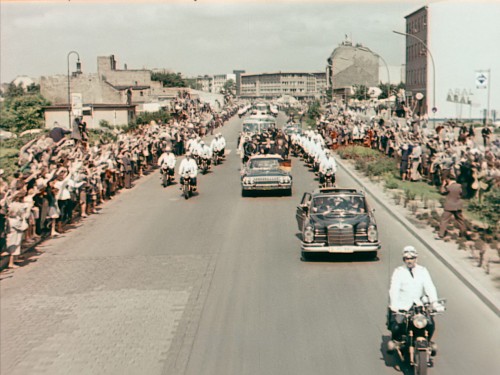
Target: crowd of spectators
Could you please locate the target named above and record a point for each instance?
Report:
(451, 149)
(62, 175)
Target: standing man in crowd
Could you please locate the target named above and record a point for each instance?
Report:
(452, 207)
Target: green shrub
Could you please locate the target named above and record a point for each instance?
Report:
(489, 208)
(106, 124)
(391, 182)
(381, 167)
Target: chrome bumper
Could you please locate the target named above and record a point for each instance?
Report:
(348, 249)
(267, 187)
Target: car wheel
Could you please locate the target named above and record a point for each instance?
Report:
(288, 192)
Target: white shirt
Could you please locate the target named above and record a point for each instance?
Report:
(188, 166)
(168, 158)
(405, 289)
(328, 163)
(214, 145)
(205, 152)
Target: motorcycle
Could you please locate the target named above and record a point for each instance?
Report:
(215, 158)
(204, 165)
(415, 349)
(329, 179)
(167, 175)
(187, 189)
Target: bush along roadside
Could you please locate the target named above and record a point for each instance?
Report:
(424, 201)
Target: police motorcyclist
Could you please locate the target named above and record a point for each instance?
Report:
(166, 162)
(205, 152)
(327, 164)
(188, 165)
(409, 283)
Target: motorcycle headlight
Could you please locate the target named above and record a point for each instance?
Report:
(419, 321)
(308, 234)
(372, 234)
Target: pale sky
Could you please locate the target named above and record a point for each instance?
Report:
(212, 37)
(203, 37)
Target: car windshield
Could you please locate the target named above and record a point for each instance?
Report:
(338, 205)
(251, 127)
(263, 164)
(265, 125)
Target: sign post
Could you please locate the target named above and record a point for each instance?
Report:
(483, 81)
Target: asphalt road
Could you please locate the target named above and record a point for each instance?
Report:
(215, 285)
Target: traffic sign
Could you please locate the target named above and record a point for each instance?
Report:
(481, 80)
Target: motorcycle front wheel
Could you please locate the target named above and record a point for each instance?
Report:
(421, 363)
(186, 191)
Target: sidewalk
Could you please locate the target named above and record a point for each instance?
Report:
(458, 261)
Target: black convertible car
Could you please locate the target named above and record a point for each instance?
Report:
(266, 172)
(336, 220)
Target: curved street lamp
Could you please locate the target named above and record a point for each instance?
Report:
(78, 70)
(434, 109)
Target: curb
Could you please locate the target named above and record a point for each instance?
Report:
(472, 284)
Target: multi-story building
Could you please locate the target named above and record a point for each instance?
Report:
(238, 74)
(416, 58)
(460, 39)
(350, 65)
(220, 80)
(273, 85)
(205, 83)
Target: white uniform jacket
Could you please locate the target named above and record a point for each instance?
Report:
(167, 158)
(188, 166)
(328, 163)
(405, 289)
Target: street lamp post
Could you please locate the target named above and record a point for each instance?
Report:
(78, 70)
(434, 109)
(388, 84)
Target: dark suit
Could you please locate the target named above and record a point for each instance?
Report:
(452, 208)
(127, 169)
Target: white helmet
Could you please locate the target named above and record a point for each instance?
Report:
(410, 252)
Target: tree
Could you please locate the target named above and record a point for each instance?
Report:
(13, 91)
(22, 109)
(22, 112)
(361, 92)
(169, 79)
(393, 89)
(229, 87)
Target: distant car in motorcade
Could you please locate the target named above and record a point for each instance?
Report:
(337, 220)
(292, 128)
(266, 172)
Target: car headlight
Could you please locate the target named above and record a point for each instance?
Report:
(281, 180)
(308, 234)
(287, 179)
(250, 180)
(245, 180)
(372, 234)
(419, 321)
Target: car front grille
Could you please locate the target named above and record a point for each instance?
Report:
(265, 179)
(340, 234)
